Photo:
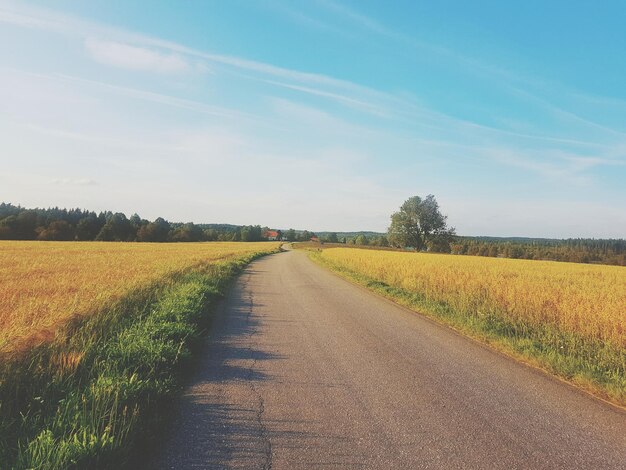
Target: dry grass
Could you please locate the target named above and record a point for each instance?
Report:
(586, 300)
(43, 284)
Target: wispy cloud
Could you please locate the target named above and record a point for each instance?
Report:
(295, 13)
(503, 78)
(73, 182)
(159, 98)
(554, 166)
(136, 51)
(142, 52)
(130, 57)
(340, 98)
(363, 20)
(565, 114)
(300, 132)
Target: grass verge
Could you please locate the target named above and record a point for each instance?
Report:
(87, 398)
(592, 365)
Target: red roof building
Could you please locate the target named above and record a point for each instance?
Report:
(271, 235)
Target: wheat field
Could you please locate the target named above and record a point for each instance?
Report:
(587, 300)
(42, 284)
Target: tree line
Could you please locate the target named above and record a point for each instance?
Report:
(574, 250)
(18, 223)
(292, 235)
(359, 239)
(419, 225)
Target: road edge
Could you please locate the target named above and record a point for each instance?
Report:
(490, 345)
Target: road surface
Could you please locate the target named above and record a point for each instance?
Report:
(305, 370)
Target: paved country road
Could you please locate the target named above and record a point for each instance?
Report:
(305, 370)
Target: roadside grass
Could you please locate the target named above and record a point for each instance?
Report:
(87, 398)
(593, 364)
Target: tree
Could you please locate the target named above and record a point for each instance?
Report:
(379, 241)
(156, 231)
(361, 240)
(57, 230)
(251, 233)
(420, 225)
(88, 228)
(137, 222)
(305, 236)
(19, 227)
(187, 233)
(117, 228)
(8, 230)
(291, 235)
(210, 235)
(105, 234)
(332, 238)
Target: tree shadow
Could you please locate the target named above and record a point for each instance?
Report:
(203, 427)
(219, 421)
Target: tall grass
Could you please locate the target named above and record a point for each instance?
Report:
(568, 318)
(43, 284)
(87, 397)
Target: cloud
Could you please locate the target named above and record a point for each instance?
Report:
(500, 76)
(553, 165)
(135, 93)
(343, 99)
(73, 182)
(129, 57)
(364, 21)
(315, 162)
(142, 52)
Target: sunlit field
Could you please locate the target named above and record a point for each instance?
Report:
(42, 284)
(78, 394)
(587, 300)
(567, 318)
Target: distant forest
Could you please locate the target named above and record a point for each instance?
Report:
(574, 250)
(18, 223)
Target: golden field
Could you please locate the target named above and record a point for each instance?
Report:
(42, 284)
(587, 300)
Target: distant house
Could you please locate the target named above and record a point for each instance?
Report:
(272, 235)
(315, 239)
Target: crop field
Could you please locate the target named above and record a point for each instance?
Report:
(571, 317)
(93, 338)
(42, 284)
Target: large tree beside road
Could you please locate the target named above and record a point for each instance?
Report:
(420, 225)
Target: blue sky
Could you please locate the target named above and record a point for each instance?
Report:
(319, 114)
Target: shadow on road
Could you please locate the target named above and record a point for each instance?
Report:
(208, 428)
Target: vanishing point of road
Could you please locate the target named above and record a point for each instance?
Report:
(305, 370)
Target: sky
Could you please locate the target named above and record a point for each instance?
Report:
(319, 114)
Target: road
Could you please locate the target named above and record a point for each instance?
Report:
(305, 370)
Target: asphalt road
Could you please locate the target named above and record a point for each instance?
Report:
(305, 370)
